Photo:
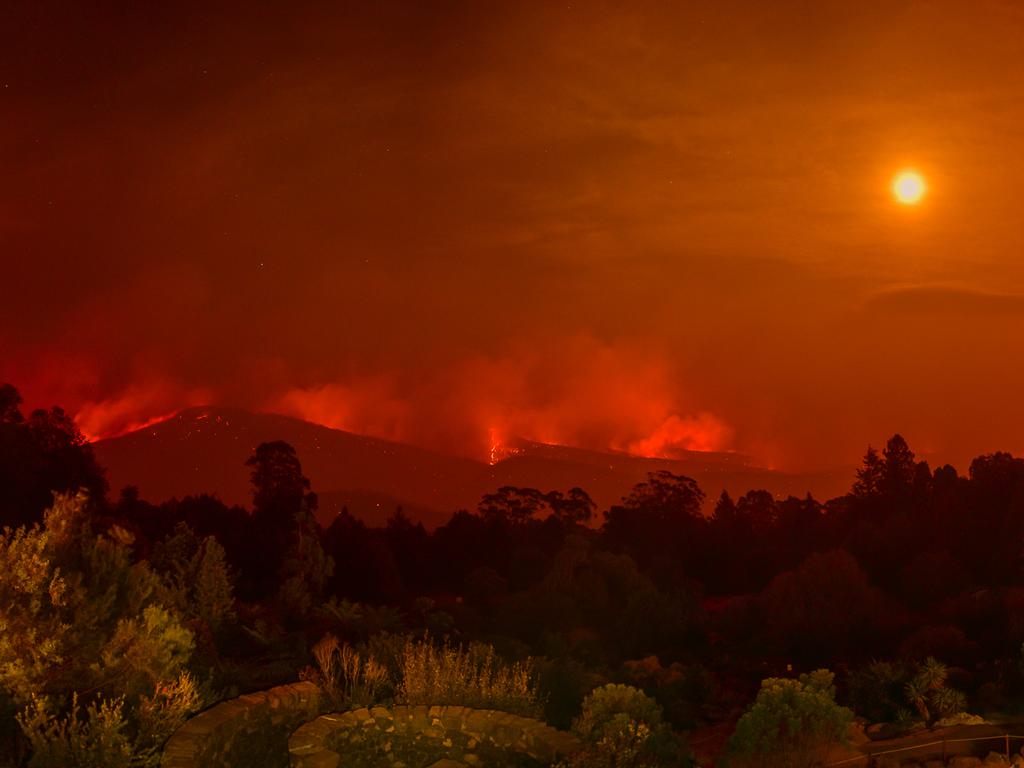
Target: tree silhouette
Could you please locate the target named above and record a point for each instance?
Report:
(575, 507)
(899, 468)
(512, 505)
(282, 504)
(661, 516)
(869, 476)
(40, 456)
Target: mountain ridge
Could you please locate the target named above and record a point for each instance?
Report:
(203, 449)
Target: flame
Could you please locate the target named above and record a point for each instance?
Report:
(579, 392)
(494, 455)
(582, 393)
(702, 432)
(137, 407)
(499, 449)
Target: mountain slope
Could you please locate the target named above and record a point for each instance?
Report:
(204, 450)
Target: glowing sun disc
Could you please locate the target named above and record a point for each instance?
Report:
(908, 187)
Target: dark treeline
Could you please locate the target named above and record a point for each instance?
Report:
(912, 563)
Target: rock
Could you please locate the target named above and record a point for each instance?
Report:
(961, 718)
(995, 759)
(322, 760)
(887, 762)
(963, 761)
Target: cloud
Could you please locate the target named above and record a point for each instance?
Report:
(945, 301)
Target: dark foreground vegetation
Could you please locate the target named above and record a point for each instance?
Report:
(642, 628)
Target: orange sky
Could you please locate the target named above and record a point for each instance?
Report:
(647, 227)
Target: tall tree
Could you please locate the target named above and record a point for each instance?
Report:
(660, 517)
(869, 476)
(280, 494)
(899, 468)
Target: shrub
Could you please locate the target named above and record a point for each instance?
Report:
(104, 733)
(929, 695)
(473, 677)
(876, 691)
(97, 740)
(346, 676)
(162, 714)
(197, 580)
(78, 614)
(622, 728)
(563, 683)
(790, 724)
(603, 705)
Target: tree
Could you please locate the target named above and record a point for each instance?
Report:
(759, 511)
(869, 476)
(725, 514)
(39, 456)
(899, 469)
(821, 609)
(305, 568)
(791, 724)
(666, 496)
(279, 487)
(512, 505)
(283, 509)
(10, 405)
(75, 607)
(575, 507)
(199, 582)
(661, 516)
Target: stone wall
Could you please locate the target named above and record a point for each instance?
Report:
(320, 743)
(248, 732)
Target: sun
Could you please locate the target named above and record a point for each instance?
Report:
(908, 187)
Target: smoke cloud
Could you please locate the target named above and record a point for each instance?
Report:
(581, 393)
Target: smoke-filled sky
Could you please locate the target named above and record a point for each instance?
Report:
(646, 226)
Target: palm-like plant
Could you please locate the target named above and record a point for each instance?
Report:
(917, 694)
(933, 673)
(948, 702)
(927, 690)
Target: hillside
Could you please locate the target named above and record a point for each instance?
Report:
(204, 450)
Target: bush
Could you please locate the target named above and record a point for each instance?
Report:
(563, 683)
(103, 733)
(930, 696)
(198, 582)
(472, 677)
(78, 614)
(603, 705)
(791, 723)
(623, 728)
(876, 691)
(99, 740)
(348, 678)
(162, 714)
